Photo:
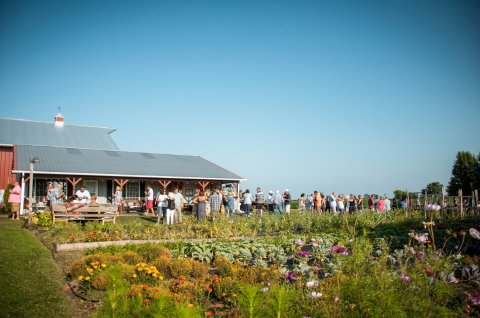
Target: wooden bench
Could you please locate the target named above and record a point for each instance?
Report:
(91, 212)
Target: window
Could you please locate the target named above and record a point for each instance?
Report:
(132, 189)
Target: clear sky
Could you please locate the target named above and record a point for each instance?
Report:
(345, 96)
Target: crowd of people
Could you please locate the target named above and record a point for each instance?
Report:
(211, 203)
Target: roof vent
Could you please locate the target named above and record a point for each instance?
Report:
(59, 119)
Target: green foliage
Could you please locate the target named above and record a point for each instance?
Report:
(464, 174)
(6, 207)
(433, 188)
(44, 219)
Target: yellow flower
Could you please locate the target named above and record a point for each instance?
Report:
(104, 265)
(134, 275)
(154, 274)
(160, 277)
(95, 266)
(80, 277)
(190, 305)
(87, 277)
(89, 270)
(139, 269)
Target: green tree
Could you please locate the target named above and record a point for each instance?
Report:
(433, 188)
(400, 194)
(463, 173)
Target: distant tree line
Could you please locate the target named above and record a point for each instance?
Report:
(465, 176)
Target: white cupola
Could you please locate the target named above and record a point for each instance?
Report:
(59, 119)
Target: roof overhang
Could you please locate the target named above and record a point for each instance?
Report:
(126, 176)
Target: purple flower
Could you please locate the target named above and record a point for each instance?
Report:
(290, 276)
(420, 256)
(405, 277)
(299, 242)
(264, 289)
(339, 250)
(475, 299)
(303, 253)
(315, 294)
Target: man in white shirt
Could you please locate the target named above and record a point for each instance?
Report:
(83, 195)
(333, 202)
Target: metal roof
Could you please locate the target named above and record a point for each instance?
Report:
(82, 162)
(26, 132)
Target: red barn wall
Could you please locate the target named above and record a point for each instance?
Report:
(6, 166)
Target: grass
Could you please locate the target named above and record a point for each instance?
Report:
(31, 283)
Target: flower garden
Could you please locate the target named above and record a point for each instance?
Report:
(300, 265)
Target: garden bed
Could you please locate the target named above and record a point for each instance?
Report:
(311, 266)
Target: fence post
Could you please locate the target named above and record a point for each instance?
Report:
(460, 203)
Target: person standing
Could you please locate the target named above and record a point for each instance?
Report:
(179, 200)
(270, 201)
(287, 198)
(230, 203)
(277, 202)
(332, 199)
(200, 200)
(50, 195)
(259, 201)
(308, 202)
(162, 206)
(301, 203)
(215, 203)
(317, 202)
(14, 199)
(149, 200)
(371, 202)
(360, 203)
(118, 198)
(352, 204)
(341, 204)
(388, 204)
(381, 204)
(83, 195)
(247, 202)
(171, 209)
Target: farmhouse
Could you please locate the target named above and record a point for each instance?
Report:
(75, 155)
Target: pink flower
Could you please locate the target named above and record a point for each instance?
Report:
(475, 299)
(299, 242)
(339, 250)
(422, 239)
(311, 284)
(405, 277)
(303, 253)
(336, 299)
(315, 295)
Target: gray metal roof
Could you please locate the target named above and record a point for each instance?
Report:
(26, 132)
(75, 161)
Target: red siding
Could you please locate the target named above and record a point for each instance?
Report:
(6, 166)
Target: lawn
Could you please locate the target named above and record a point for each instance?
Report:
(31, 283)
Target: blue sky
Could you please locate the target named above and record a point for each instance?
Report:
(342, 96)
